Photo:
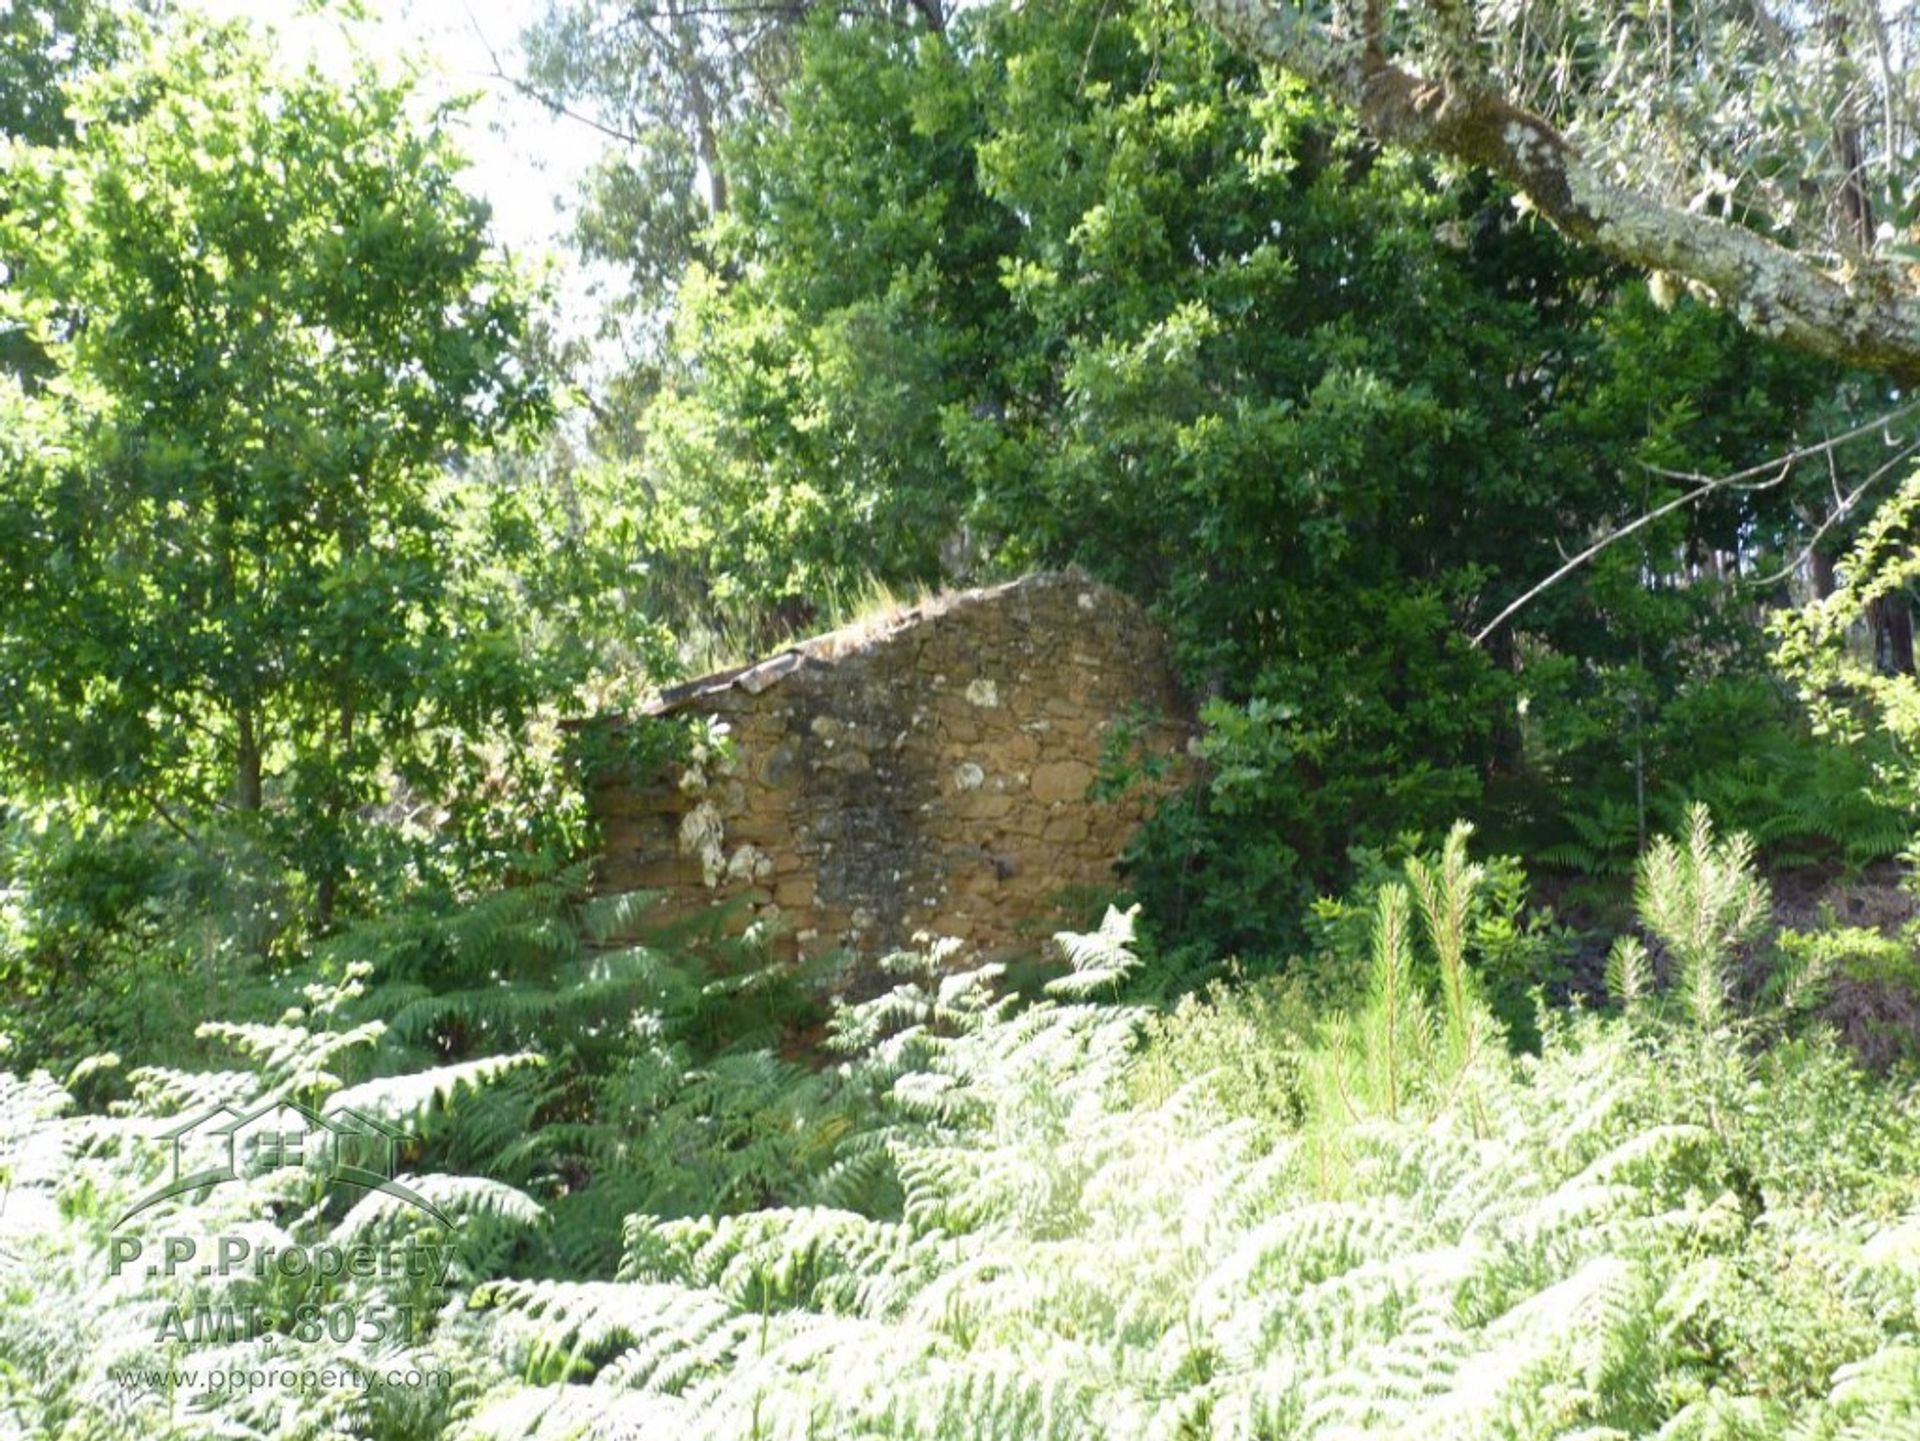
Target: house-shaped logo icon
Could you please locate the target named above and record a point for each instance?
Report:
(233, 1142)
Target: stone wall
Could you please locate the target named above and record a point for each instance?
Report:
(930, 771)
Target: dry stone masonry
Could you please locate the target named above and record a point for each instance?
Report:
(930, 772)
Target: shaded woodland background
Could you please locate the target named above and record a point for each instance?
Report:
(1532, 945)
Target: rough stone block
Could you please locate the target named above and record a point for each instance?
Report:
(1061, 781)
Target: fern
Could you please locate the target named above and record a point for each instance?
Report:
(1101, 959)
(410, 1101)
(1642, 1230)
(1505, 1264)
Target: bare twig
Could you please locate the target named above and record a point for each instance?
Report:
(534, 93)
(1792, 457)
(1699, 492)
(166, 816)
(1840, 512)
(1763, 476)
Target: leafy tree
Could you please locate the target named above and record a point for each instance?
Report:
(854, 304)
(668, 79)
(237, 555)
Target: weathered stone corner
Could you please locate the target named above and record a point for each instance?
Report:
(930, 771)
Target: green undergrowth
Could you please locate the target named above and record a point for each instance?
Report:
(1687, 1213)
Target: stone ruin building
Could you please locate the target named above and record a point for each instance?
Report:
(930, 772)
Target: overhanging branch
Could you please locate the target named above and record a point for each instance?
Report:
(1867, 316)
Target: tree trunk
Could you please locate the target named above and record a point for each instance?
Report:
(1508, 742)
(1820, 572)
(1891, 620)
(327, 889)
(696, 76)
(248, 786)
